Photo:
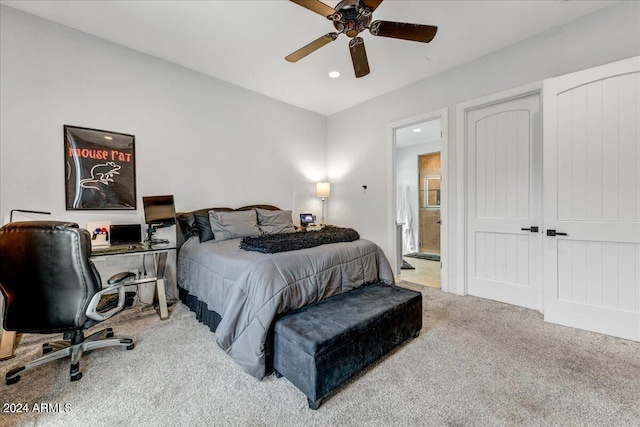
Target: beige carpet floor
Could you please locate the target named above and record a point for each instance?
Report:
(476, 363)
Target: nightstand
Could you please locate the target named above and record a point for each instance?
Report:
(314, 228)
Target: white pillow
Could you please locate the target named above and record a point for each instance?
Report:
(231, 225)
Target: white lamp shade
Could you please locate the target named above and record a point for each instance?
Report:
(323, 189)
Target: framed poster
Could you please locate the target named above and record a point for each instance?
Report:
(100, 169)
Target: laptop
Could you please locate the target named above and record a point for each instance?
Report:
(306, 220)
(125, 234)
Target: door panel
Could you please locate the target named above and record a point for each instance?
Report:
(504, 196)
(591, 193)
(502, 257)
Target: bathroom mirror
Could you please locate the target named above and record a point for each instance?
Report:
(433, 192)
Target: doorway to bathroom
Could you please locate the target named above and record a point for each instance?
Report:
(418, 179)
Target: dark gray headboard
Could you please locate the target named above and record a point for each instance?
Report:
(185, 219)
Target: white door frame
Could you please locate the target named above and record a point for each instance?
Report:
(442, 114)
(461, 285)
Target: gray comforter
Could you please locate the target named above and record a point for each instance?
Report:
(248, 289)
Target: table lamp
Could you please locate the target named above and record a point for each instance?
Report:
(323, 189)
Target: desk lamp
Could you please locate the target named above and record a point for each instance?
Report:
(26, 211)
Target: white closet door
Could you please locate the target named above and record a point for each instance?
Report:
(504, 190)
(592, 197)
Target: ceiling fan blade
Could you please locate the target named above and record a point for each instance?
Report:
(359, 57)
(316, 6)
(371, 4)
(404, 31)
(311, 47)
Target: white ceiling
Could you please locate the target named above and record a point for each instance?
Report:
(244, 42)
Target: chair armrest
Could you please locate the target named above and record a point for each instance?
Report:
(93, 314)
(117, 278)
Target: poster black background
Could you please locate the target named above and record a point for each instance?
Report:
(99, 169)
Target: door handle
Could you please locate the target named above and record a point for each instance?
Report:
(439, 221)
(533, 229)
(552, 233)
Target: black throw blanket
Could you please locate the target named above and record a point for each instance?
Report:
(283, 242)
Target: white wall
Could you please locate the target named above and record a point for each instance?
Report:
(213, 143)
(205, 141)
(407, 174)
(357, 138)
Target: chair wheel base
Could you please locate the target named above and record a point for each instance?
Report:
(13, 380)
(74, 372)
(59, 349)
(12, 376)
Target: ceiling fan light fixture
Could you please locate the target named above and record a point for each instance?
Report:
(334, 74)
(352, 17)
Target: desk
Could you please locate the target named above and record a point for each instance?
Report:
(159, 253)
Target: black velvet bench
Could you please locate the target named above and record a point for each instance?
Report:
(320, 346)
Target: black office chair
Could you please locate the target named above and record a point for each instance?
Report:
(50, 285)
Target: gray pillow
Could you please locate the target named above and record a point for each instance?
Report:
(273, 222)
(231, 225)
(203, 227)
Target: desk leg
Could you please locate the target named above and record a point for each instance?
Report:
(161, 262)
(7, 345)
(162, 299)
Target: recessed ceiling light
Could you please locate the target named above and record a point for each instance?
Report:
(334, 74)
(417, 130)
(108, 137)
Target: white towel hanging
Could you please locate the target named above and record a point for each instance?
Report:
(405, 217)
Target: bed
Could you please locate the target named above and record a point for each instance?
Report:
(239, 294)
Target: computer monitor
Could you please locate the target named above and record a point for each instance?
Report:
(159, 211)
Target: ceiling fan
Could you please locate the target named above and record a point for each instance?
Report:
(351, 17)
